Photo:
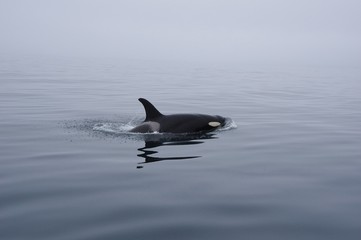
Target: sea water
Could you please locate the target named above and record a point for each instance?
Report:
(287, 167)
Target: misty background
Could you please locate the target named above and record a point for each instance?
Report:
(293, 32)
(286, 74)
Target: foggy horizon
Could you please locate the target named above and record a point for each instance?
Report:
(307, 32)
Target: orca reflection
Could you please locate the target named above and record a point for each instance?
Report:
(148, 152)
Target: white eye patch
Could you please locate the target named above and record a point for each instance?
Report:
(214, 124)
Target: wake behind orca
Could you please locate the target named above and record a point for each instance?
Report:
(176, 123)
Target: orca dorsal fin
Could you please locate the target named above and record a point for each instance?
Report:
(150, 111)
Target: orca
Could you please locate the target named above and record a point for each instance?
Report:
(176, 123)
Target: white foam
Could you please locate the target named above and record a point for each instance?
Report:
(113, 127)
(230, 124)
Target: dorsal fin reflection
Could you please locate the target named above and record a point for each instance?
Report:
(148, 154)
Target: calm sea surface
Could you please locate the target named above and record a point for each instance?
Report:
(288, 166)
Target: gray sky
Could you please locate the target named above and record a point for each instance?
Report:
(254, 31)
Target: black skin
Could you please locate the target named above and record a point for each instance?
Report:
(177, 123)
(187, 123)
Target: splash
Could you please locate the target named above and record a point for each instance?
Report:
(112, 127)
(124, 128)
(119, 128)
(230, 124)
